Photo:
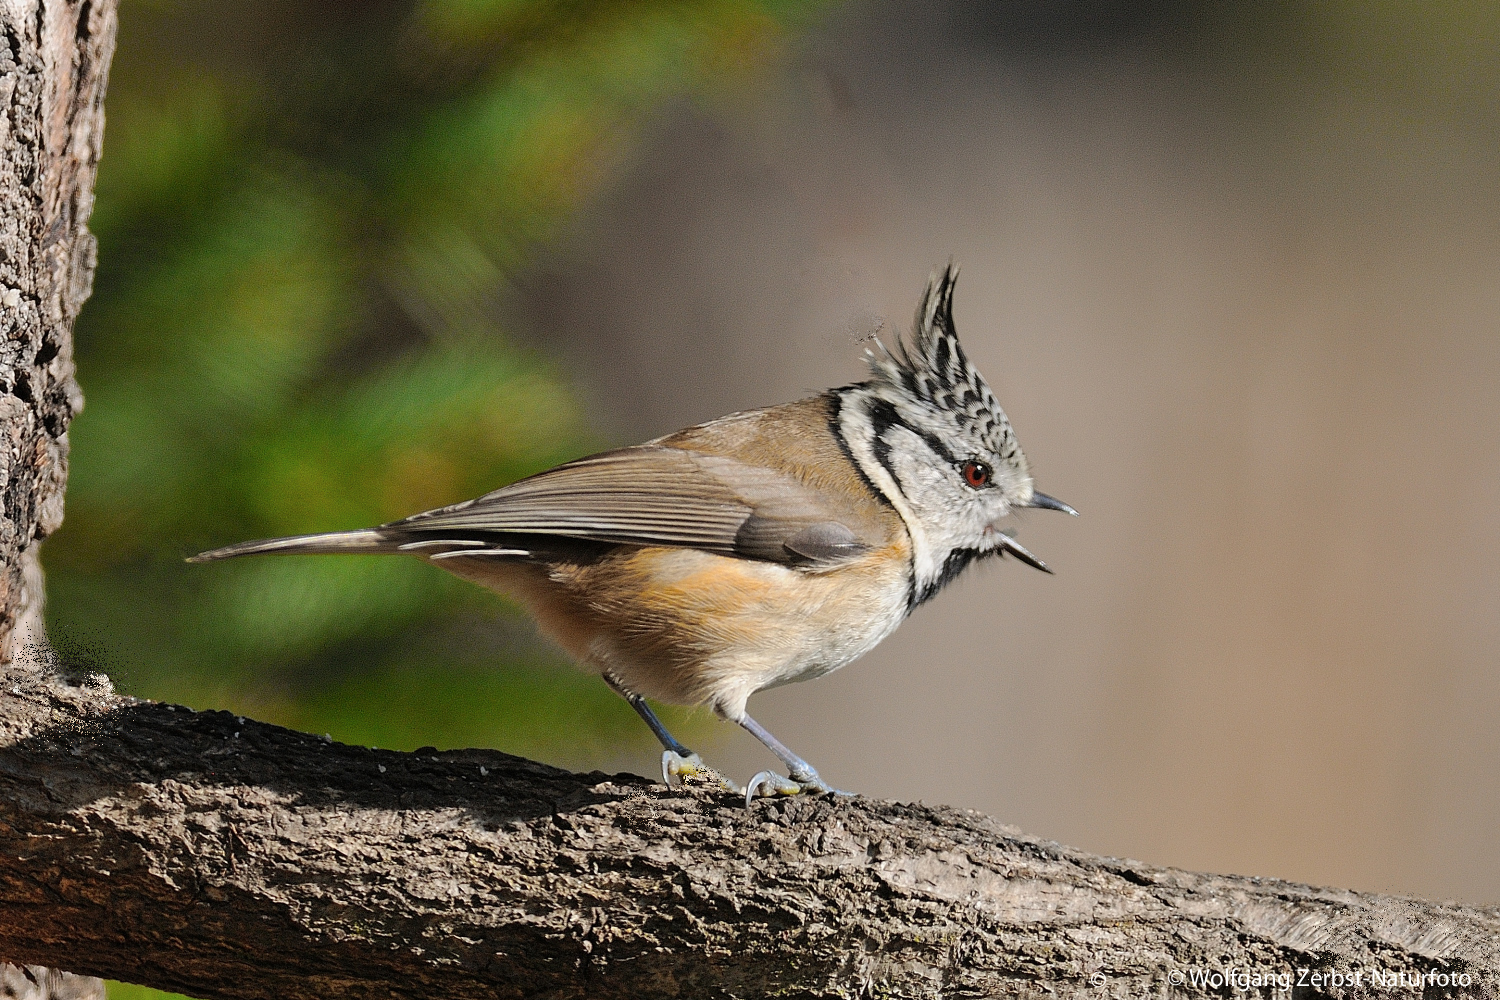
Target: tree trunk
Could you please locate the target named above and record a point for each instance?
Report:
(54, 57)
(225, 858)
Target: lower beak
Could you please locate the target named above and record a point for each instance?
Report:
(1015, 548)
(1040, 499)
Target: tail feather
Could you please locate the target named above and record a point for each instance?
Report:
(365, 540)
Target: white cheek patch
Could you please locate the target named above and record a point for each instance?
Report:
(926, 487)
(952, 515)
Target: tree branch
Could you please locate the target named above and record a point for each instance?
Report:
(221, 857)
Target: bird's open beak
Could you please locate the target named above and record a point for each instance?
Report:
(1008, 542)
(1040, 499)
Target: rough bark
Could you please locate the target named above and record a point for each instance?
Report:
(221, 857)
(54, 57)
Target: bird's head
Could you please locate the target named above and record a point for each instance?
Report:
(933, 438)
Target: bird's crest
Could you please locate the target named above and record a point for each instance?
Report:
(930, 368)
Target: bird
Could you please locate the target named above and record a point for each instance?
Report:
(762, 548)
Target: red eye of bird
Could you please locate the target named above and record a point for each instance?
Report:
(976, 474)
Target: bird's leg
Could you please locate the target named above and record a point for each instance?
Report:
(803, 778)
(676, 759)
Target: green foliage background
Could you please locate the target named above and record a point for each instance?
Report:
(307, 213)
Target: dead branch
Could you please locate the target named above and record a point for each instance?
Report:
(221, 857)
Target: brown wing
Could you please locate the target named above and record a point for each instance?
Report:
(656, 495)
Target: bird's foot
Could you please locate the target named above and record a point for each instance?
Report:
(768, 783)
(674, 764)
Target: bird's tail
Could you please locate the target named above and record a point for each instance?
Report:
(370, 540)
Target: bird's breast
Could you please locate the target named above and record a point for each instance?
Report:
(693, 627)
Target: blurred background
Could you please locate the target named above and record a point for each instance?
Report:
(1234, 271)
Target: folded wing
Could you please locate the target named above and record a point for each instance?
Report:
(655, 495)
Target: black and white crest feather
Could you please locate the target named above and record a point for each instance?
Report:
(930, 367)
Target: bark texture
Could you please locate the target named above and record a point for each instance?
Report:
(54, 57)
(221, 857)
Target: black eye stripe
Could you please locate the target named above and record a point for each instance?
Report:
(938, 445)
(884, 417)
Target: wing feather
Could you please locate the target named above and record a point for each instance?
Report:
(656, 495)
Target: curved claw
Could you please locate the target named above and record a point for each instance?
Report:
(671, 763)
(773, 783)
(768, 783)
(691, 766)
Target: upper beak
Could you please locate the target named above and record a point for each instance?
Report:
(1009, 544)
(1040, 499)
